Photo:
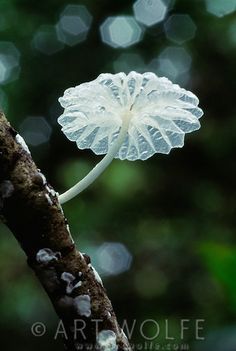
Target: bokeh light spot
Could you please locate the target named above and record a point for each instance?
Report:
(113, 258)
(35, 130)
(149, 12)
(9, 62)
(45, 40)
(3, 69)
(74, 24)
(180, 28)
(121, 31)
(172, 63)
(220, 8)
(232, 33)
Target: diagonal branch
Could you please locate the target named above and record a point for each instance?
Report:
(29, 207)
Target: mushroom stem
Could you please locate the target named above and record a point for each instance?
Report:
(98, 169)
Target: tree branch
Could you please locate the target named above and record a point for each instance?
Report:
(29, 207)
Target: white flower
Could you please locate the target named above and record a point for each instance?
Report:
(127, 117)
(157, 114)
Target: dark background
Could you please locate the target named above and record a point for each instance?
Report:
(160, 232)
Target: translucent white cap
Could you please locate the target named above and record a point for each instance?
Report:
(157, 112)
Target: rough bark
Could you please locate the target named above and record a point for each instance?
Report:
(29, 207)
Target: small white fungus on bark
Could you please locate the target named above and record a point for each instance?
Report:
(44, 180)
(106, 340)
(49, 199)
(51, 191)
(69, 279)
(96, 275)
(44, 256)
(83, 305)
(21, 141)
(68, 228)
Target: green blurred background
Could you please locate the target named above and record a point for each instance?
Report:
(160, 232)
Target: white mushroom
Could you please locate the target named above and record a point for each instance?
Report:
(128, 117)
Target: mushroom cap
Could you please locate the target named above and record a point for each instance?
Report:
(158, 114)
